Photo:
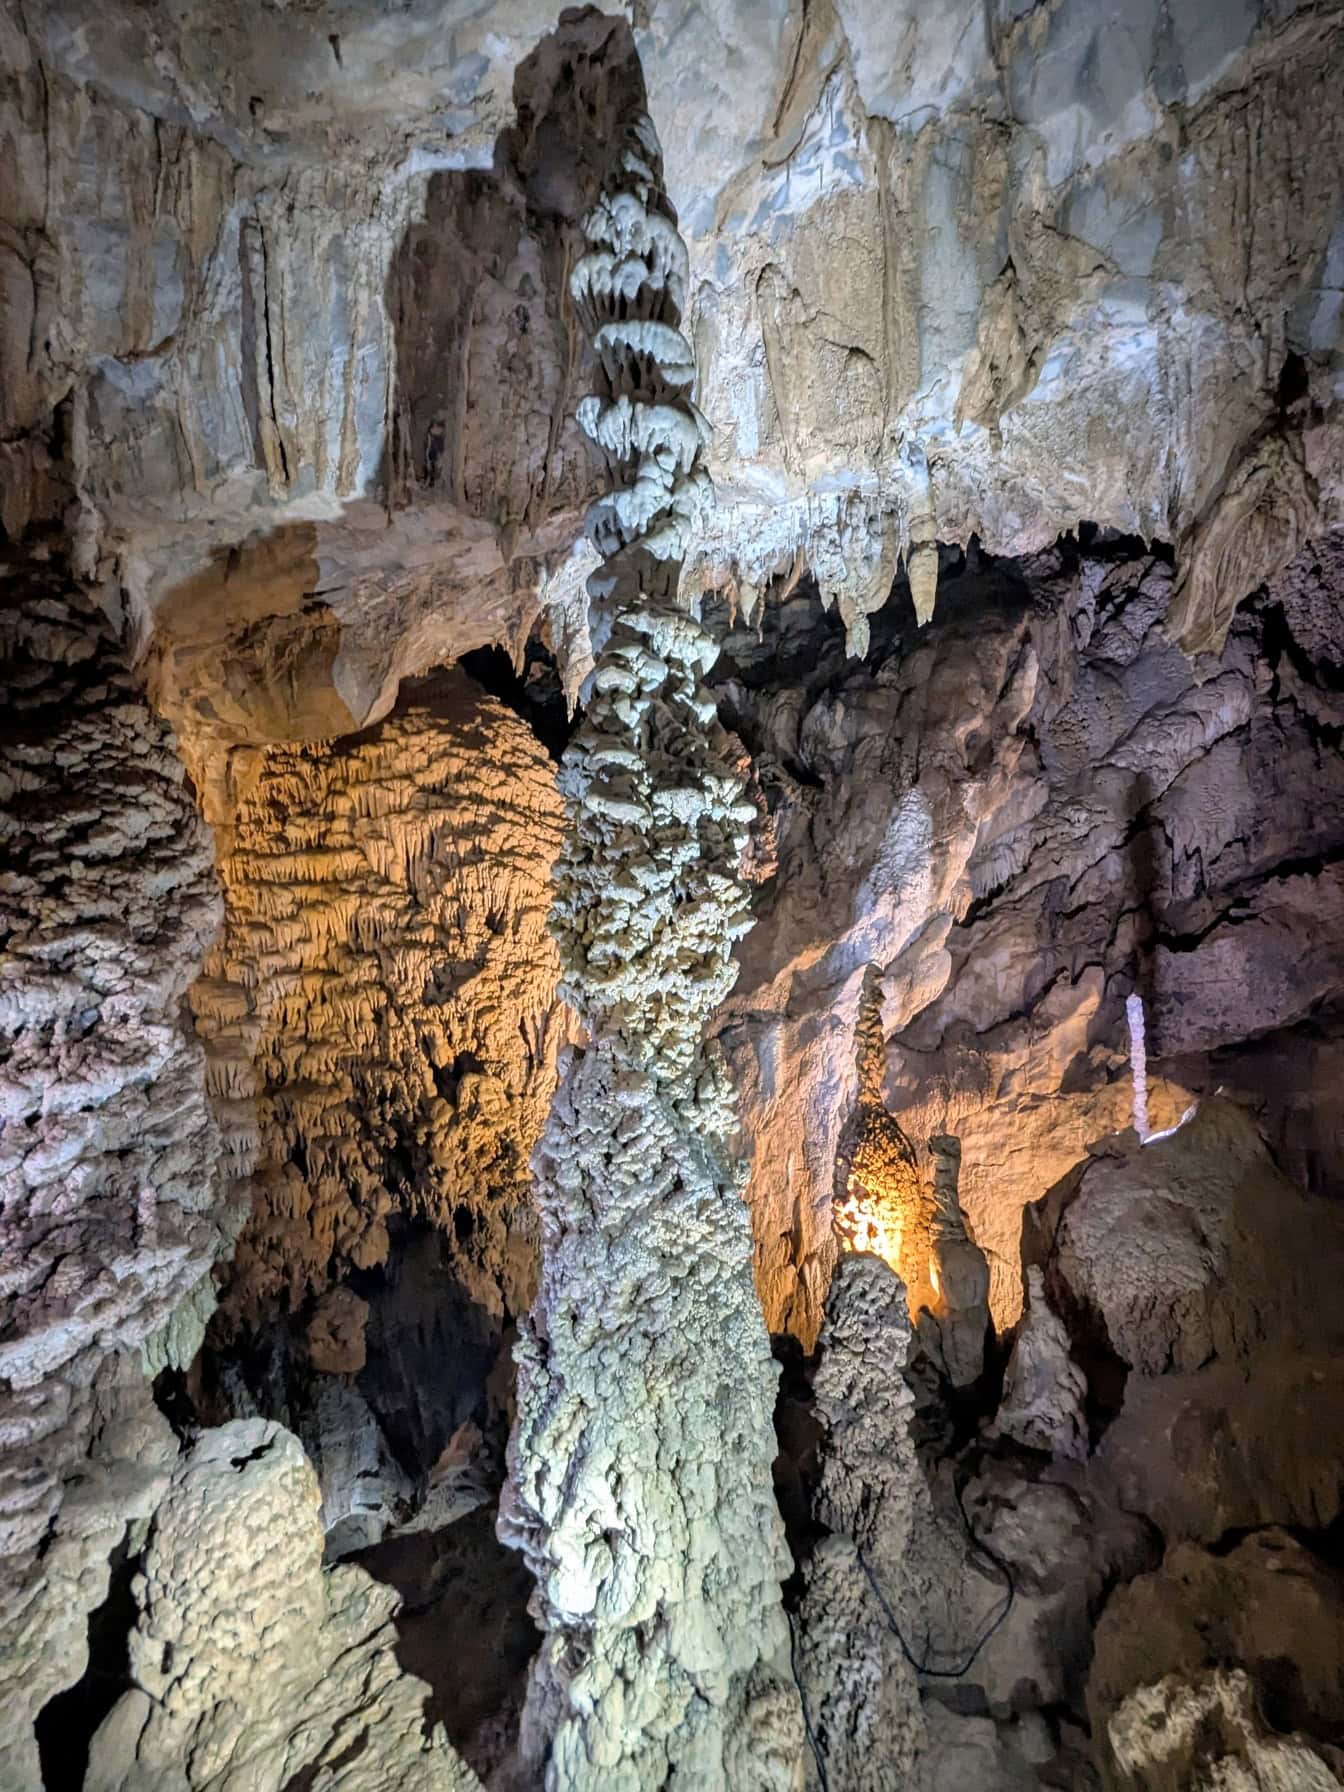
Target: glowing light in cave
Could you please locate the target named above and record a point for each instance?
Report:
(868, 1222)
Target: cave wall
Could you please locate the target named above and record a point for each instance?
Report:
(1032, 809)
(989, 274)
(381, 1030)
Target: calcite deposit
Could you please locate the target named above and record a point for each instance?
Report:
(938, 1040)
(1010, 822)
(639, 1468)
(381, 1034)
(114, 1197)
(250, 1665)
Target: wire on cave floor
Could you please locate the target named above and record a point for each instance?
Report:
(977, 1548)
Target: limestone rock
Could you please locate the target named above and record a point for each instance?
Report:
(954, 1325)
(1193, 1248)
(1111, 821)
(1205, 1735)
(318, 263)
(860, 1693)
(249, 1663)
(381, 1036)
(639, 1464)
(335, 1337)
(1266, 1603)
(1043, 1388)
(113, 1201)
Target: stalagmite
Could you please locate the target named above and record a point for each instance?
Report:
(954, 1327)
(640, 1487)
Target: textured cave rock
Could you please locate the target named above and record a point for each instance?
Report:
(289, 375)
(943, 1589)
(639, 1465)
(114, 1196)
(1194, 1250)
(860, 1694)
(1017, 817)
(381, 1034)
(1090, 269)
(250, 1664)
(1043, 1388)
(1269, 1604)
(1204, 1734)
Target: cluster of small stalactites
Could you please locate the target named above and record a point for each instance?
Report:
(648, 900)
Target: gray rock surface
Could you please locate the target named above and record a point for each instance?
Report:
(1193, 1249)
(114, 1203)
(321, 262)
(1113, 818)
(639, 1464)
(860, 1693)
(1043, 1388)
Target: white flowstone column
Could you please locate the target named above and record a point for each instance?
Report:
(640, 1487)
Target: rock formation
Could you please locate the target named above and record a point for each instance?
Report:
(250, 1664)
(639, 1466)
(955, 1322)
(114, 1198)
(1111, 818)
(1043, 1388)
(860, 1693)
(381, 1032)
(1019, 338)
(223, 343)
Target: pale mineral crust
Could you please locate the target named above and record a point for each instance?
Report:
(639, 1485)
(114, 1199)
(251, 1665)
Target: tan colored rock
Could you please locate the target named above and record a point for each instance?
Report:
(1014, 821)
(251, 1664)
(1266, 1603)
(1256, 530)
(378, 1012)
(335, 1334)
(1193, 1248)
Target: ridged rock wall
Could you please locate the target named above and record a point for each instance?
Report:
(1013, 821)
(381, 1031)
(114, 1202)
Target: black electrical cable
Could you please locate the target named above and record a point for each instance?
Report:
(802, 1699)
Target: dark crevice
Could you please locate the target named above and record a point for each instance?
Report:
(536, 694)
(66, 1724)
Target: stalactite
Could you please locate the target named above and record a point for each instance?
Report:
(640, 1485)
(1138, 1062)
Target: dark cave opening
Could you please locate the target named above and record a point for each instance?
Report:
(535, 693)
(66, 1724)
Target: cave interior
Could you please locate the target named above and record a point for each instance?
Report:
(672, 896)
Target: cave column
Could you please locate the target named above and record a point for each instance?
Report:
(640, 1485)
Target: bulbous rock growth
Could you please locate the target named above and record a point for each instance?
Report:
(640, 1485)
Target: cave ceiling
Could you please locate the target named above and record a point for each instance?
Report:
(290, 338)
